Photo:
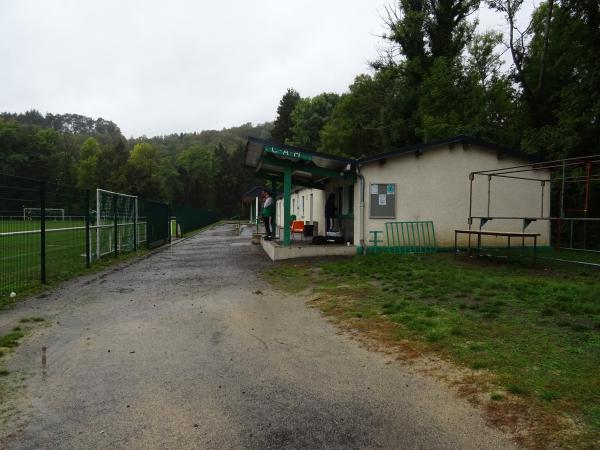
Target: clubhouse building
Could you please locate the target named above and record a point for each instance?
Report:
(413, 198)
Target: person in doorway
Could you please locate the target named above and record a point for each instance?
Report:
(267, 215)
(330, 212)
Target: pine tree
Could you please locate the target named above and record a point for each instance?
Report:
(282, 128)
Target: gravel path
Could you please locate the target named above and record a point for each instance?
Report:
(189, 348)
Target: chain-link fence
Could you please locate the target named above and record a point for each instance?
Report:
(62, 234)
(50, 232)
(190, 219)
(20, 225)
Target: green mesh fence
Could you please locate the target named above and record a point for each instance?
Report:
(66, 225)
(157, 217)
(50, 232)
(20, 254)
(190, 219)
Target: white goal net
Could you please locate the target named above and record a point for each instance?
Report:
(116, 226)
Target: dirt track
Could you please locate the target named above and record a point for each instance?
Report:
(189, 348)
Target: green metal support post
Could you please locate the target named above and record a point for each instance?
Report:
(287, 193)
(135, 225)
(43, 232)
(169, 223)
(274, 194)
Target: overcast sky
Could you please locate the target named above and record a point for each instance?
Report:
(159, 67)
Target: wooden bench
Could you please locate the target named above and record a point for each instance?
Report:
(507, 234)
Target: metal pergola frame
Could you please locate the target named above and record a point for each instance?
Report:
(560, 174)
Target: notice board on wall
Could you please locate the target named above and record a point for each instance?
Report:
(382, 203)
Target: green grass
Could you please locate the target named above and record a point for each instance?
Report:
(547, 254)
(496, 396)
(535, 330)
(11, 339)
(7, 226)
(8, 343)
(572, 255)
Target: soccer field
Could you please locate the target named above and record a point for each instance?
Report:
(20, 249)
(13, 225)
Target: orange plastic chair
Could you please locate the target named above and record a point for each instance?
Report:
(297, 227)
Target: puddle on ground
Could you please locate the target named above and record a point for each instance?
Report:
(125, 290)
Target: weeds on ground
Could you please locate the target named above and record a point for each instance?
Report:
(8, 342)
(31, 319)
(535, 331)
(11, 339)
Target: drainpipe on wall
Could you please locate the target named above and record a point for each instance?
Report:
(362, 211)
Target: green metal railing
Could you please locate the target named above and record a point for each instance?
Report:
(410, 237)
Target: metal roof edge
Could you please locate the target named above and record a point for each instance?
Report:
(253, 190)
(453, 140)
(298, 149)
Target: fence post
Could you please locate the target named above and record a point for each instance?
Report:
(169, 222)
(43, 231)
(148, 220)
(88, 249)
(116, 227)
(135, 226)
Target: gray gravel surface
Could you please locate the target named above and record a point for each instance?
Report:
(189, 348)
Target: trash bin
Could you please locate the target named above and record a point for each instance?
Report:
(309, 230)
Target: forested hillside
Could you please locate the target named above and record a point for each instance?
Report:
(196, 169)
(438, 76)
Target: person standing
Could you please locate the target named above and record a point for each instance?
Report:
(330, 212)
(267, 215)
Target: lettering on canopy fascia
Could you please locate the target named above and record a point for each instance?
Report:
(291, 154)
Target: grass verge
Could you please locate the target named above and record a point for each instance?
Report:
(10, 382)
(528, 337)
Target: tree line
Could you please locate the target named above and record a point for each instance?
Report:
(435, 77)
(202, 170)
(438, 77)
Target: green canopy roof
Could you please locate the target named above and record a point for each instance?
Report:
(310, 169)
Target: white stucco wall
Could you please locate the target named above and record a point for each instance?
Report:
(301, 201)
(435, 186)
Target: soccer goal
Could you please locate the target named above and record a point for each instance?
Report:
(117, 227)
(51, 213)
